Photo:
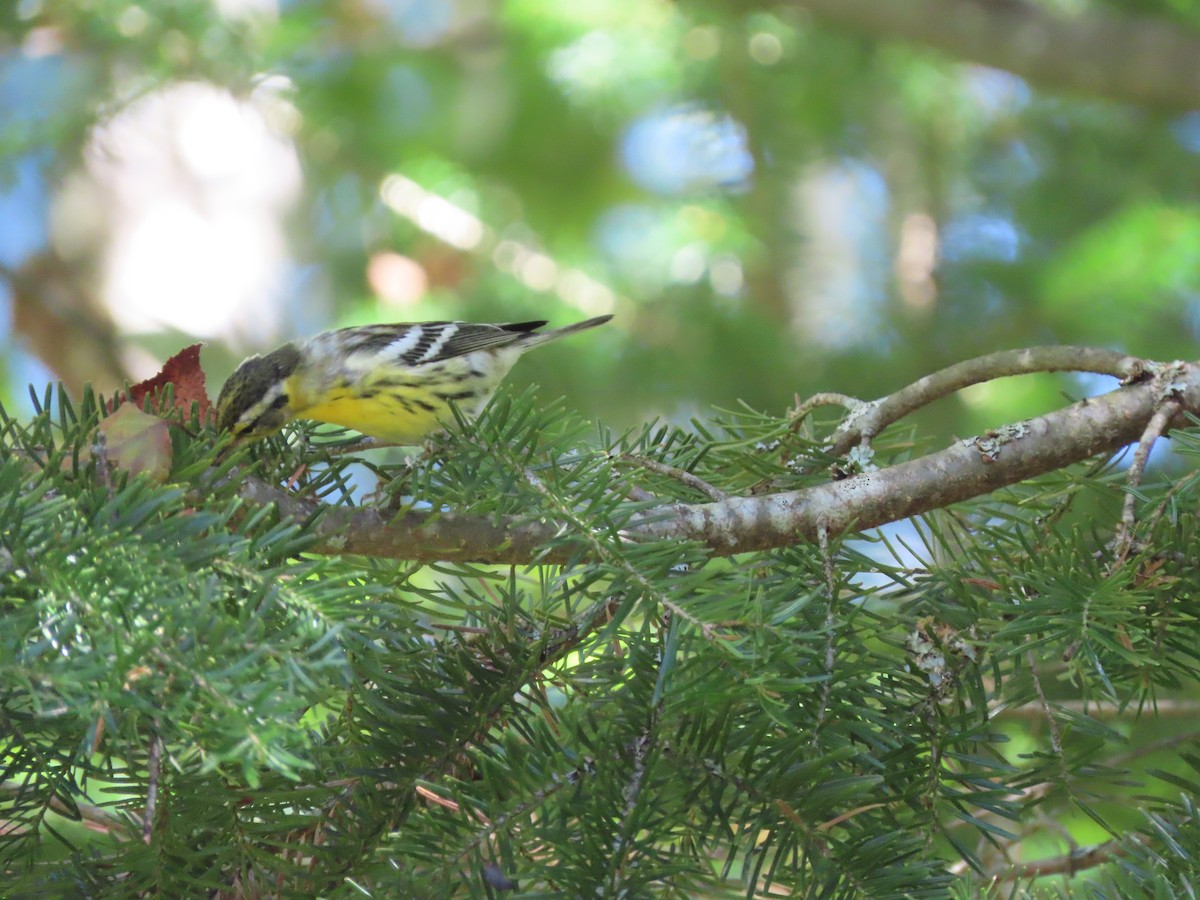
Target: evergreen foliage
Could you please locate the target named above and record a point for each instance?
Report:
(864, 719)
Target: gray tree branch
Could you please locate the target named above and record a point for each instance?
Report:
(967, 469)
(1140, 60)
(866, 420)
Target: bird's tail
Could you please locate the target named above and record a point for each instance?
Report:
(536, 338)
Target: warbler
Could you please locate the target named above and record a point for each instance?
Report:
(393, 382)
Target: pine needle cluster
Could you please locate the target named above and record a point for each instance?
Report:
(194, 702)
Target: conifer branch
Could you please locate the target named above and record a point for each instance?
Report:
(968, 469)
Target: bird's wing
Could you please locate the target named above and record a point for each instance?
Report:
(429, 342)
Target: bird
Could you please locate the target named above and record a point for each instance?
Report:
(395, 382)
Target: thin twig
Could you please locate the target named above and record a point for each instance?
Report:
(632, 792)
(94, 817)
(1158, 746)
(1163, 708)
(1067, 864)
(849, 814)
(640, 495)
(154, 766)
(869, 419)
(660, 468)
(363, 444)
(1055, 734)
(1154, 430)
(830, 622)
(827, 398)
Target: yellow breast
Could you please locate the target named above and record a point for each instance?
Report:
(406, 418)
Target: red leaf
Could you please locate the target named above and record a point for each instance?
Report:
(184, 372)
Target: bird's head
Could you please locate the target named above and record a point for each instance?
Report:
(254, 401)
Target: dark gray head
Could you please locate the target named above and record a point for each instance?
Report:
(254, 401)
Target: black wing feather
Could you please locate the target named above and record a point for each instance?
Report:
(471, 337)
(467, 337)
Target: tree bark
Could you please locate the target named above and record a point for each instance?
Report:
(966, 470)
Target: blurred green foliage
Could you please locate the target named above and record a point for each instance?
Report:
(1057, 219)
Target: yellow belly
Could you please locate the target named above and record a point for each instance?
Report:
(382, 416)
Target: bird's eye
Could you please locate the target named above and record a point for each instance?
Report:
(252, 427)
(263, 421)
